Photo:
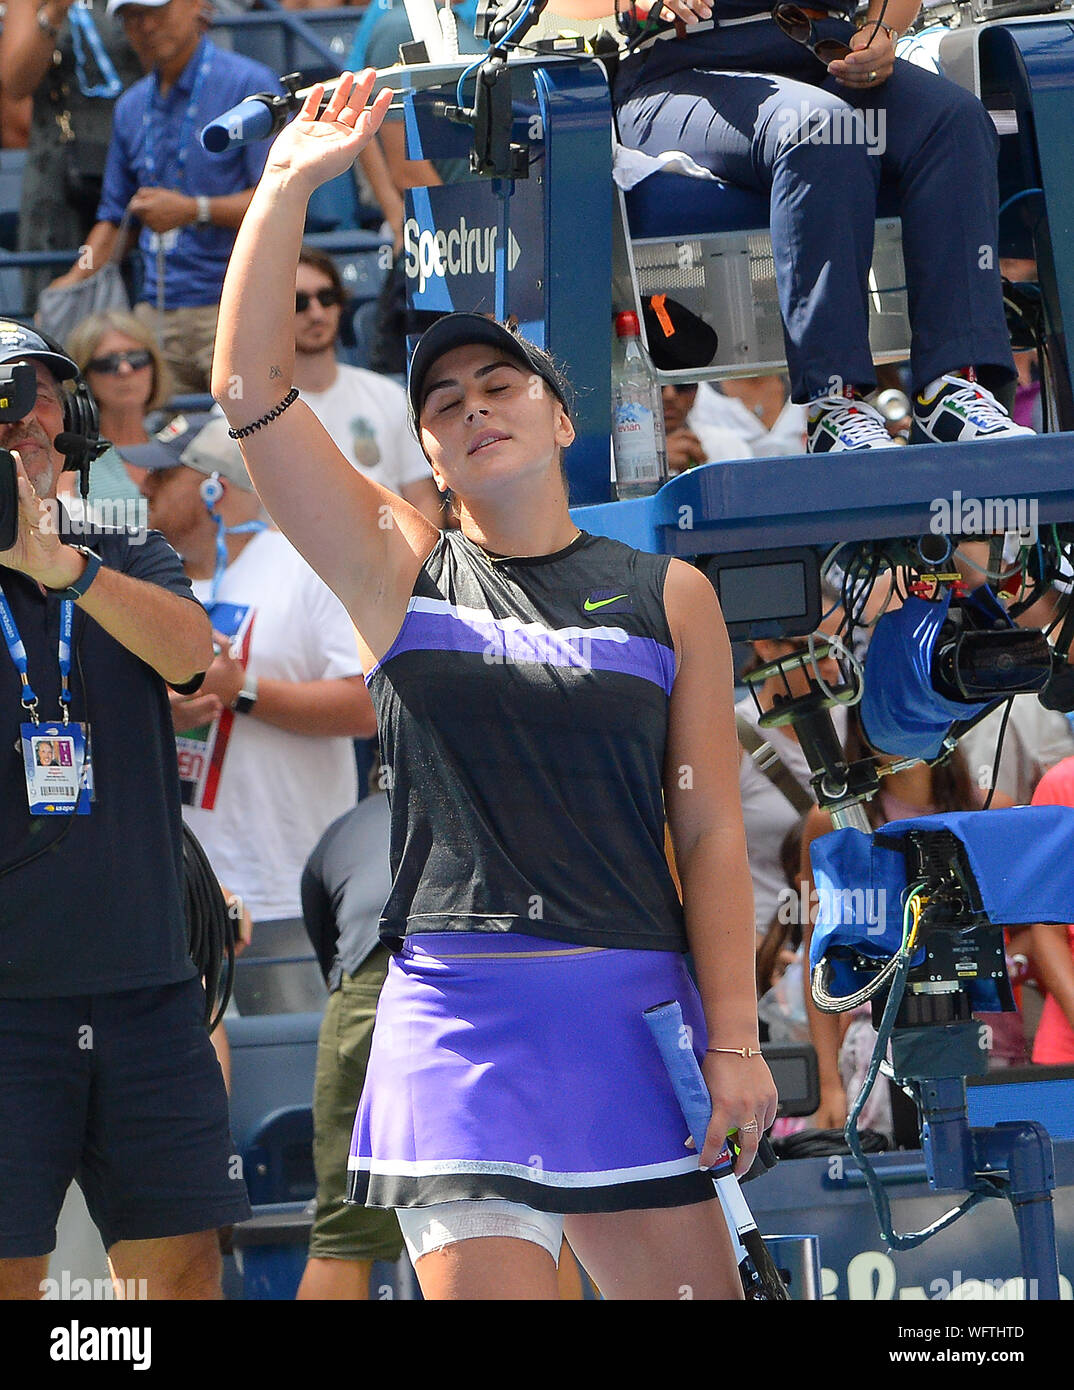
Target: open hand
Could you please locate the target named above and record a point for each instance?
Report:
(318, 148)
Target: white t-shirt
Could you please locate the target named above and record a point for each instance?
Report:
(279, 791)
(1034, 741)
(787, 435)
(366, 415)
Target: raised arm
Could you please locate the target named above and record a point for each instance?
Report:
(705, 817)
(168, 632)
(365, 542)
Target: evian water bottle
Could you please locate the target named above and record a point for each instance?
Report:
(638, 443)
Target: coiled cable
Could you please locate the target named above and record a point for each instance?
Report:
(210, 927)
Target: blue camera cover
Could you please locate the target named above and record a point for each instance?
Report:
(901, 712)
(1021, 860)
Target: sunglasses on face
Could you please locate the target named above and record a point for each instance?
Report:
(798, 25)
(112, 361)
(325, 298)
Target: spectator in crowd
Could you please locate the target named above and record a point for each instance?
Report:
(188, 202)
(73, 100)
(1051, 948)
(125, 371)
(289, 688)
(689, 442)
(756, 104)
(365, 413)
(345, 885)
(758, 409)
(844, 1042)
(106, 1070)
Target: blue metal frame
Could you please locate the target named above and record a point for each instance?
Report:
(764, 504)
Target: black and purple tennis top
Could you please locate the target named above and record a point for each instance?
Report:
(522, 713)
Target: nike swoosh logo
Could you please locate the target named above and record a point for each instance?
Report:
(591, 607)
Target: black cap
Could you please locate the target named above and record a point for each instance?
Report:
(460, 330)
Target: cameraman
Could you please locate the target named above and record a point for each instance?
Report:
(107, 1074)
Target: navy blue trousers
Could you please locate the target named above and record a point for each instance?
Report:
(761, 112)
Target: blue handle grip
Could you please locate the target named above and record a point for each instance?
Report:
(253, 119)
(673, 1039)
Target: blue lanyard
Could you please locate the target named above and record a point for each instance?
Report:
(18, 655)
(154, 177)
(247, 528)
(84, 33)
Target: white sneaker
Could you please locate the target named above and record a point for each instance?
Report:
(837, 424)
(952, 409)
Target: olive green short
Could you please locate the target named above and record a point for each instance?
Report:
(342, 1232)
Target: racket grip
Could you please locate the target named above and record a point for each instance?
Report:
(672, 1038)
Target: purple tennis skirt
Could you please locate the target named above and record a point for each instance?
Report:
(522, 1069)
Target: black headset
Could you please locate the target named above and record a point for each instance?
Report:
(80, 440)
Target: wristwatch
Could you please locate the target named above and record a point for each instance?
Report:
(85, 579)
(204, 217)
(247, 696)
(893, 34)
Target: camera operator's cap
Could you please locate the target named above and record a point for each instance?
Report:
(461, 330)
(21, 344)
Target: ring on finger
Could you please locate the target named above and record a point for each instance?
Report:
(872, 77)
(751, 1128)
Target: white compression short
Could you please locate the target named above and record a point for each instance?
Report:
(426, 1229)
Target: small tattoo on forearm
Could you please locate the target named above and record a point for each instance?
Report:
(275, 373)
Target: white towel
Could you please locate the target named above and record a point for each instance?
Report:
(630, 167)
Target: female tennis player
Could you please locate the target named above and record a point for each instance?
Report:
(547, 701)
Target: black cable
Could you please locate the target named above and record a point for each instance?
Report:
(210, 928)
(999, 753)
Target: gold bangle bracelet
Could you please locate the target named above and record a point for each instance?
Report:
(738, 1051)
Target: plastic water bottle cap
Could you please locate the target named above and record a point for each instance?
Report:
(626, 325)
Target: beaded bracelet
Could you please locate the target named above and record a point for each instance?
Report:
(267, 418)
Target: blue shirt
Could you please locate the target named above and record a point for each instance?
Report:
(145, 152)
